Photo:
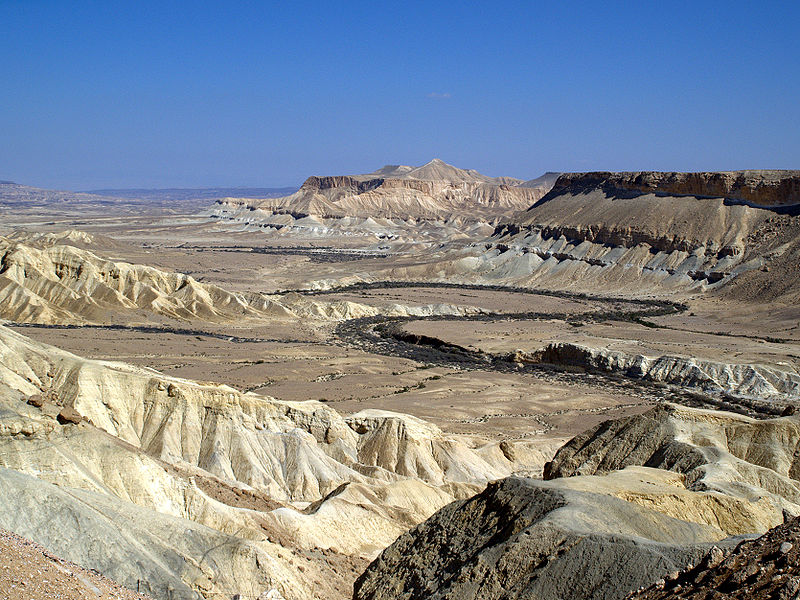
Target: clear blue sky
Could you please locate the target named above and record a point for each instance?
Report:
(155, 94)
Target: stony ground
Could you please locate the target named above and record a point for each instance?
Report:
(767, 568)
(29, 572)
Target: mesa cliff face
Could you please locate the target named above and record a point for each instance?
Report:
(648, 232)
(763, 188)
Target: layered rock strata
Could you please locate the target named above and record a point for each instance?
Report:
(648, 232)
(433, 191)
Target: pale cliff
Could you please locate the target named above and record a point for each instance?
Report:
(193, 490)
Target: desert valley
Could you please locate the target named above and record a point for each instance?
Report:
(421, 382)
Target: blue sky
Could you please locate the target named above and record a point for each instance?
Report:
(157, 94)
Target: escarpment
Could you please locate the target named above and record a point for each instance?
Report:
(653, 231)
(776, 188)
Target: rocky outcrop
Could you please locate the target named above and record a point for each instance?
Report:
(714, 450)
(762, 569)
(522, 538)
(762, 188)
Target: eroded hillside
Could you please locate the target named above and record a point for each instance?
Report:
(636, 233)
(45, 281)
(391, 207)
(202, 490)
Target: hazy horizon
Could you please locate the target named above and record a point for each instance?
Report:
(147, 96)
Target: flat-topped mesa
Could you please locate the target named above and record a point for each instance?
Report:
(434, 191)
(327, 182)
(756, 187)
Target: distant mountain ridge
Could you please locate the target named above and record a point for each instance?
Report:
(17, 194)
(433, 191)
(212, 193)
(548, 180)
(437, 170)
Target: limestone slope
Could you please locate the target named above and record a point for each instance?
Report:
(45, 281)
(137, 459)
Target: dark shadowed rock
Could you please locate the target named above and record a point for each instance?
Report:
(69, 415)
(761, 569)
(36, 400)
(523, 538)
